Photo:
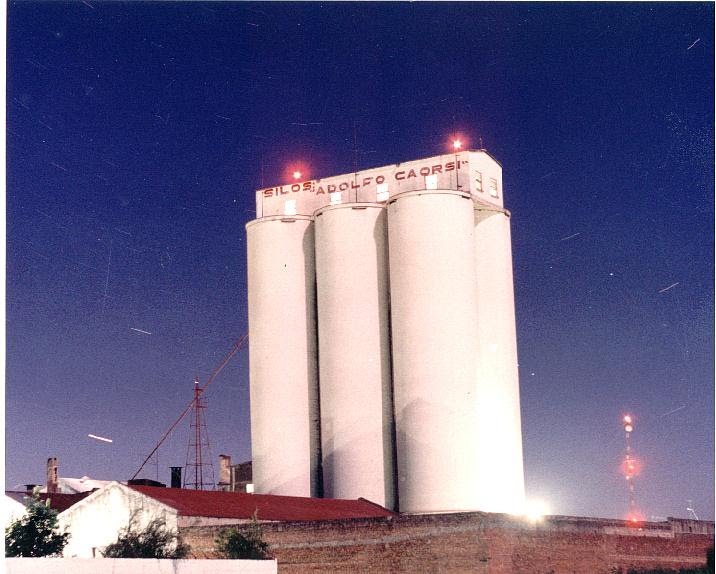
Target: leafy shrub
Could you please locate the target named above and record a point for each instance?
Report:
(152, 541)
(36, 533)
(243, 544)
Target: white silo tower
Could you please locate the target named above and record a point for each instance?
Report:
(285, 439)
(499, 479)
(434, 338)
(357, 427)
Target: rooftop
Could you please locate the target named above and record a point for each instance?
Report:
(220, 504)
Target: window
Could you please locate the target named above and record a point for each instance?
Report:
(289, 207)
(493, 187)
(478, 181)
(382, 192)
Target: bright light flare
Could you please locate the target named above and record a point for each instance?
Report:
(635, 518)
(458, 142)
(536, 510)
(296, 171)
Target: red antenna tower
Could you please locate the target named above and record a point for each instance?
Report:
(199, 447)
(630, 468)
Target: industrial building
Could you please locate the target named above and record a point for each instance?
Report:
(381, 314)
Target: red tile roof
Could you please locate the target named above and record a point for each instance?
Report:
(220, 504)
(58, 501)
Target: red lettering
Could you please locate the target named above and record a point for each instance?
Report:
(306, 186)
(354, 185)
(437, 169)
(343, 186)
(331, 188)
(296, 187)
(424, 171)
(319, 190)
(450, 166)
(268, 192)
(411, 173)
(379, 179)
(398, 174)
(366, 180)
(283, 192)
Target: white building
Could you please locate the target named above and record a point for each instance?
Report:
(97, 520)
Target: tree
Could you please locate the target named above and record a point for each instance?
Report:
(243, 544)
(36, 533)
(152, 541)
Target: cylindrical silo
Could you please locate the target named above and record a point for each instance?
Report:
(500, 478)
(283, 367)
(434, 337)
(357, 427)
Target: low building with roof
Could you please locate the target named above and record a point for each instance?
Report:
(16, 502)
(97, 520)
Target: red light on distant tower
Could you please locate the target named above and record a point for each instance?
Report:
(457, 144)
(296, 174)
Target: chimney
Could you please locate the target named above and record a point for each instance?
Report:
(53, 481)
(224, 472)
(176, 477)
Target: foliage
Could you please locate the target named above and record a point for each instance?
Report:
(243, 544)
(152, 541)
(36, 533)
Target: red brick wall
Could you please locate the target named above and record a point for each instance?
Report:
(477, 542)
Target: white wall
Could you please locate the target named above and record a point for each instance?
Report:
(12, 510)
(96, 521)
(136, 566)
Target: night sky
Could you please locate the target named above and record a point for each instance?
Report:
(137, 134)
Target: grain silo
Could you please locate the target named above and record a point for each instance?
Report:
(499, 436)
(439, 308)
(285, 438)
(434, 334)
(357, 425)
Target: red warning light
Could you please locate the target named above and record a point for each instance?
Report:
(628, 423)
(635, 519)
(631, 467)
(296, 171)
(458, 142)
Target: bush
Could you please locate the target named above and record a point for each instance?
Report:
(243, 544)
(152, 541)
(36, 533)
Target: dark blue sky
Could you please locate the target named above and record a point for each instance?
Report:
(138, 132)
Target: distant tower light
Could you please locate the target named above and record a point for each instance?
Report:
(296, 174)
(457, 144)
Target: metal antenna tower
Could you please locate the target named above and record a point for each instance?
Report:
(197, 395)
(198, 447)
(630, 467)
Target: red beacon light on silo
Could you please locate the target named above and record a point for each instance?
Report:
(296, 175)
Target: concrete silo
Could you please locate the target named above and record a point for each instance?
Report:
(357, 426)
(285, 438)
(499, 480)
(434, 338)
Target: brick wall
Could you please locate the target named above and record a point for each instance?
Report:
(476, 542)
